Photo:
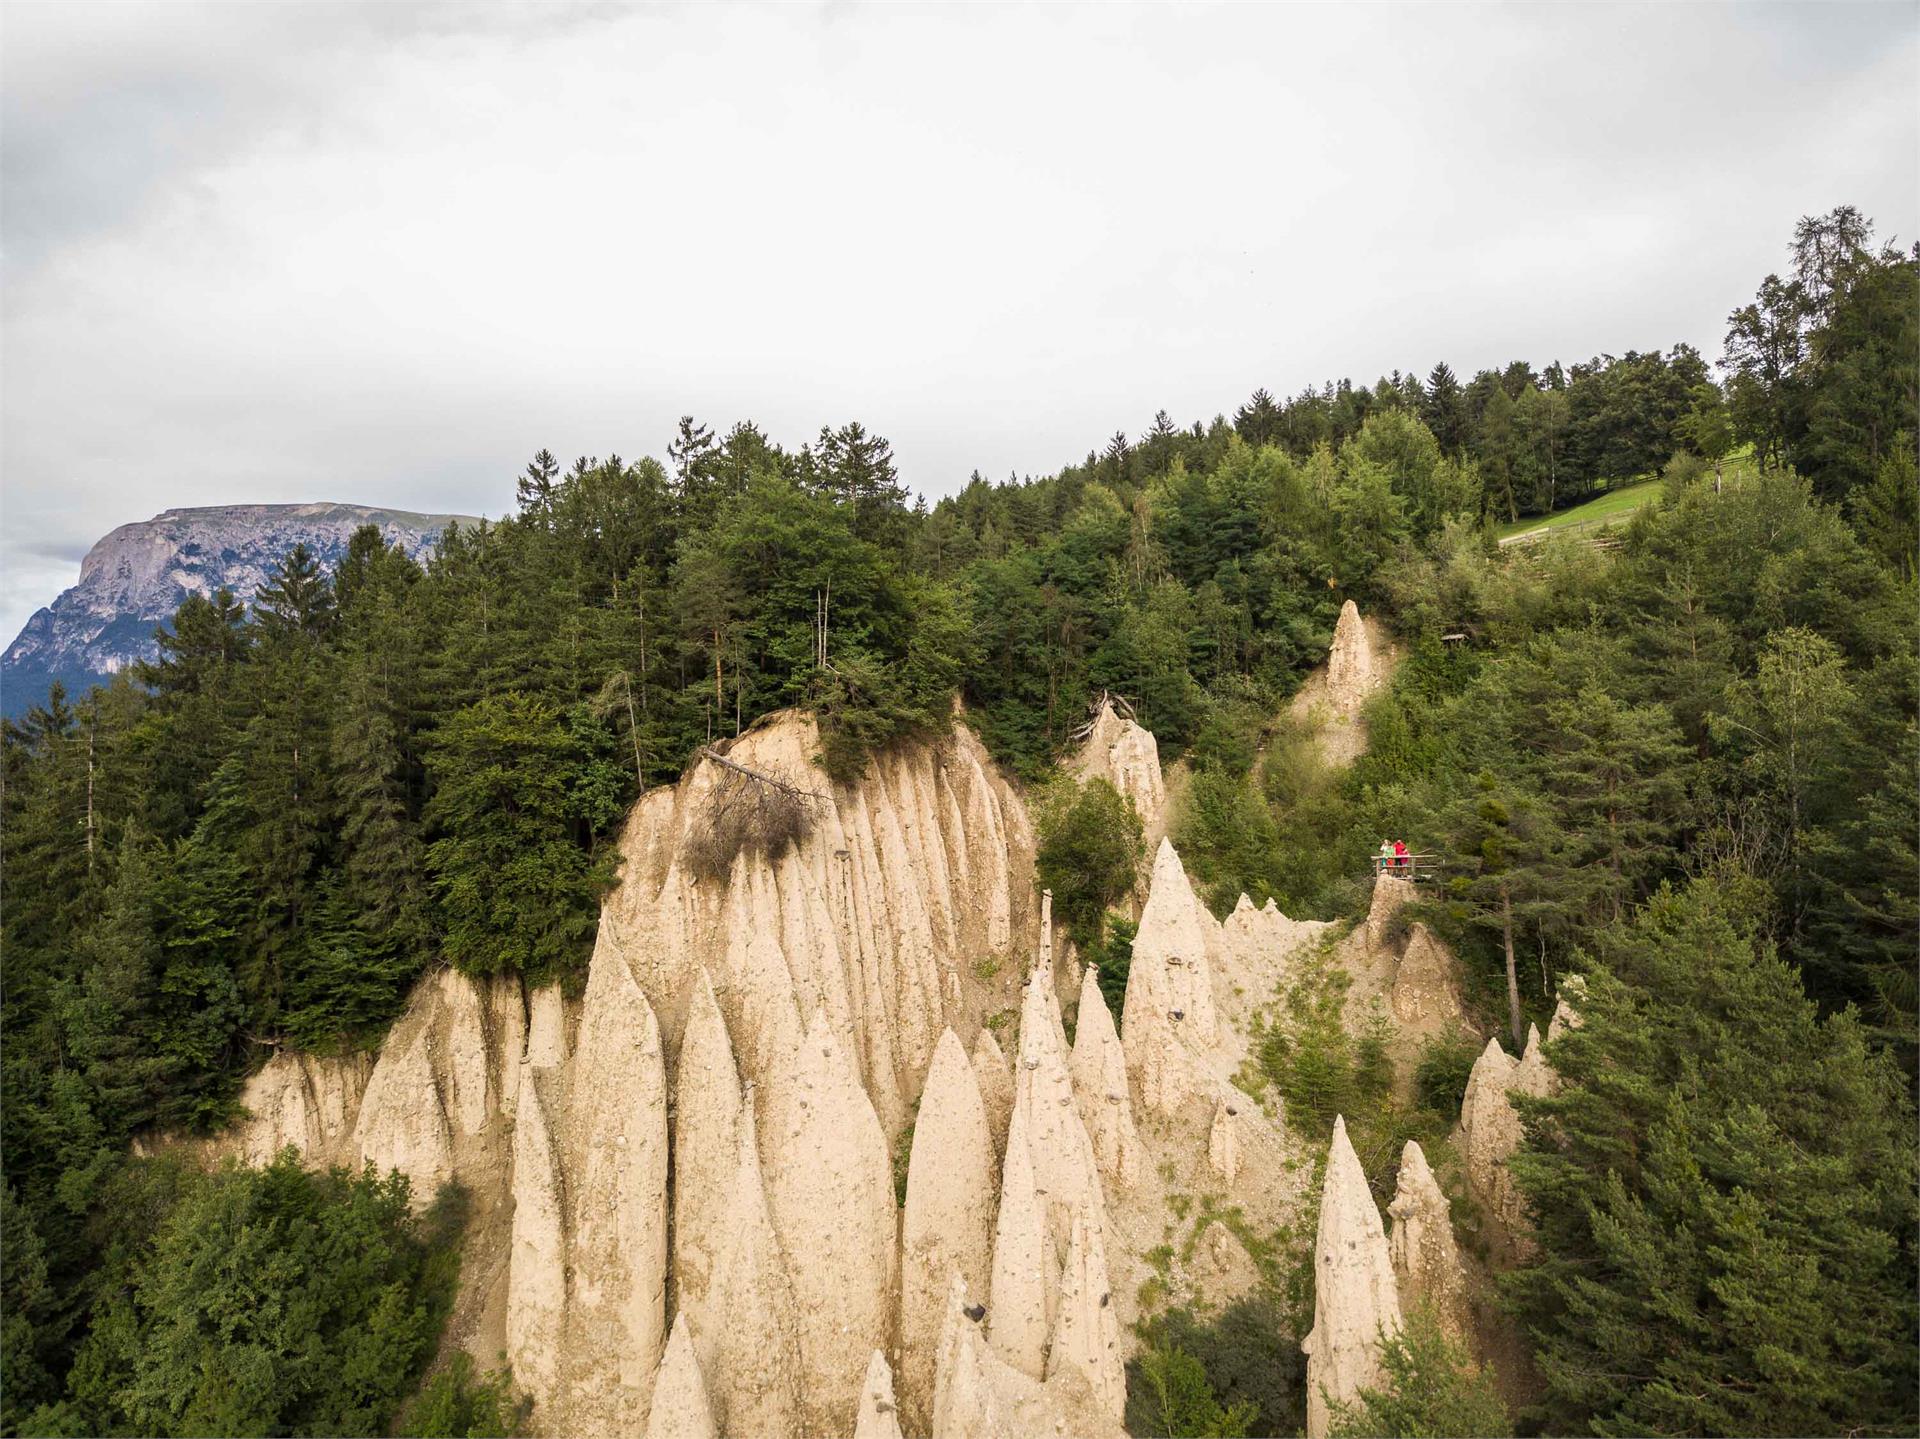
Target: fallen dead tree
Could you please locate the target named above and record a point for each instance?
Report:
(746, 810)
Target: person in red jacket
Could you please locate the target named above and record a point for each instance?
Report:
(1402, 858)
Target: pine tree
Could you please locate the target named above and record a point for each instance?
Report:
(1723, 1195)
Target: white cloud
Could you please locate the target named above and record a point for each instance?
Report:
(382, 254)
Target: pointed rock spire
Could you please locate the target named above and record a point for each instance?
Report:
(1064, 1168)
(948, 1225)
(1175, 938)
(680, 1408)
(967, 1400)
(537, 1262)
(1566, 1008)
(750, 1352)
(1086, 1335)
(469, 1064)
(1223, 1141)
(996, 1086)
(617, 1311)
(1350, 674)
(1099, 1069)
(877, 1417)
(1355, 1299)
(546, 1027)
(1025, 1282)
(705, 1127)
(830, 1191)
(1426, 1263)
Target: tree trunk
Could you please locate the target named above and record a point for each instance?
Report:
(1513, 974)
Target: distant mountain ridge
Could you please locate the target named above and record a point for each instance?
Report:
(136, 577)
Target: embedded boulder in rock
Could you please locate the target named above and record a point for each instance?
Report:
(616, 1309)
(1099, 1069)
(878, 1418)
(1355, 1300)
(1426, 1261)
(1126, 756)
(829, 1183)
(948, 1224)
(750, 1352)
(706, 1123)
(1086, 1334)
(680, 1408)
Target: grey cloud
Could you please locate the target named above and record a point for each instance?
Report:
(381, 253)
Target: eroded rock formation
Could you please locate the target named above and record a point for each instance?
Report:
(1099, 1069)
(1426, 1261)
(1490, 1131)
(680, 1407)
(1127, 757)
(1355, 1299)
(948, 1224)
(878, 1417)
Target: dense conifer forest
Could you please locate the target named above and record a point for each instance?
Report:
(1683, 766)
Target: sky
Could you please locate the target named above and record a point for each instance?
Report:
(382, 254)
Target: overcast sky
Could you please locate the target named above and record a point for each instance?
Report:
(384, 253)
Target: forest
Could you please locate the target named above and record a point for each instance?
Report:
(1683, 767)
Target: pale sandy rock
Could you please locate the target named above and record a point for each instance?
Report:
(1490, 1132)
(948, 1224)
(705, 1125)
(403, 1117)
(537, 1262)
(1099, 1070)
(1025, 1282)
(469, 1052)
(1426, 1262)
(750, 1351)
(507, 1008)
(1065, 1171)
(1176, 938)
(1127, 757)
(1391, 894)
(978, 1395)
(546, 1027)
(1566, 1007)
(829, 1183)
(680, 1408)
(1355, 1300)
(1223, 1142)
(304, 1100)
(1426, 998)
(1351, 675)
(996, 1086)
(616, 1312)
(1086, 1334)
(878, 1417)
(1044, 954)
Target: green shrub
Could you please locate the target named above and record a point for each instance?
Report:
(457, 1404)
(1249, 1361)
(1433, 1391)
(1090, 849)
(1440, 1077)
(1168, 1394)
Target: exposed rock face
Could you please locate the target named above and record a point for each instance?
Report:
(618, 1153)
(1350, 671)
(1490, 1132)
(706, 1122)
(680, 1408)
(920, 867)
(1064, 1168)
(878, 1417)
(1127, 757)
(1099, 1069)
(750, 1352)
(1086, 1335)
(1426, 1262)
(403, 1115)
(1355, 1299)
(1026, 1279)
(829, 1184)
(1412, 976)
(304, 1100)
(1359, 663)
(135, 578)
(947, 1228)
(1566, 1006)
(537, 1273)
(1169, 1012)
(1223, 1142)
(996, 1086)
(977, 1395)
